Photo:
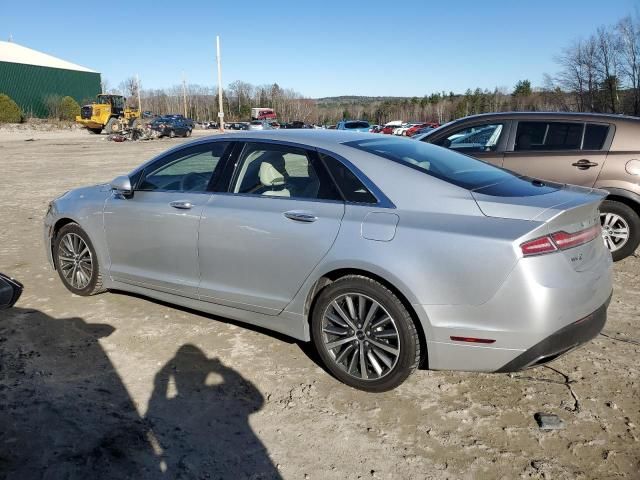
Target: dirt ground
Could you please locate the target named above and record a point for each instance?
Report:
(119, 386)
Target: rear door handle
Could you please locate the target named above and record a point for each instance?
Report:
(584, 164)
(181, 205)
(298, 216)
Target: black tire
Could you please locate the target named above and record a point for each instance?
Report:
(94, 285)
(627, 216)
(407, 339)
(172, 133)
(97, 131)
(187, 133)
(112, 126)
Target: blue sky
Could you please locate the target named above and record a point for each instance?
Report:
(319, 48)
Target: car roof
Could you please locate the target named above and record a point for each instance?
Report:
(319, 138)
(575, 116)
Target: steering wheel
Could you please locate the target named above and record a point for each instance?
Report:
(193, 180)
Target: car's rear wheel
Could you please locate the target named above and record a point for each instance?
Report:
(620, 228)
(364, 334)
(76, 261)
(172, 133)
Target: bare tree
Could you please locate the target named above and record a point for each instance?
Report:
(629, 32)
(608, 63)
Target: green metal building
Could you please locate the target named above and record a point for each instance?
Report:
(29, 77)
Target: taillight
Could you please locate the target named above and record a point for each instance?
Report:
(538, 246)
(560, 241)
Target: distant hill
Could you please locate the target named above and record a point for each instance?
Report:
(355, 99)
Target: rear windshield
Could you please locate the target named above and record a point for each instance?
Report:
(447, 165)
(356, 125)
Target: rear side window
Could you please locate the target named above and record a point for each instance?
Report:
(544, 136)
(595, 136)
(351, 187)
(281, 171)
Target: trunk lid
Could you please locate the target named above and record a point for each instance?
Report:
(551, 208)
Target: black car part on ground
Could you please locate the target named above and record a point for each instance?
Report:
(10, 291)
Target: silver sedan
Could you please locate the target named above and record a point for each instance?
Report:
(387, 253)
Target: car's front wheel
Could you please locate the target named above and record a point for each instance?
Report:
(620, 228)
(364, 334)
(76, 261)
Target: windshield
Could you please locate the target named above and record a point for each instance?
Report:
(452, 167)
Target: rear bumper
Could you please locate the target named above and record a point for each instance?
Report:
(560, 342)
(541, 296)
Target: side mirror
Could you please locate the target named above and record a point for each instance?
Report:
(10, 291)
(122, 185)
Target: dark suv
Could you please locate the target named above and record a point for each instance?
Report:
(592, 150)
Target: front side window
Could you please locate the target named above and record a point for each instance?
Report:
(478, 138)
(280, 171)
(544, 136)
(188, 170)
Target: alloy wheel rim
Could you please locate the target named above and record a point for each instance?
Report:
(75, 261)
(360, 336)
(615, 231)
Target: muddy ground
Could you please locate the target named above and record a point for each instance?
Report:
(119, 386)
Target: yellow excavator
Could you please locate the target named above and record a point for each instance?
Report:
(109, 113)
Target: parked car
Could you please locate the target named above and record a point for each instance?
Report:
(10, 291)
(592, 150)
(170, 127)
(421, 133)
(353, 125)
(375, 129)
(402, 130)
(190, 123)
(238, 126)
(260, 125)
(391, 126)
(415, 129)
(385, 252)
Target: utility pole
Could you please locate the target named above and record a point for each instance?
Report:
(220, 107)
(184, 94)
(138, 91)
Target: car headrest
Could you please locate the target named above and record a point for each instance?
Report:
(270, 176)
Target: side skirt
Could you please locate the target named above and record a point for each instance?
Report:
(287, 323)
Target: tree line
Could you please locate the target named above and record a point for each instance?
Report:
(600, 73)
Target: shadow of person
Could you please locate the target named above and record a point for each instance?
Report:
(64, 410)
(199, 413)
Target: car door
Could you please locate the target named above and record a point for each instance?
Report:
(485, 140)
(152, 236)
(561, 151)
(261, 238)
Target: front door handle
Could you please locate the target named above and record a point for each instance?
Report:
(298, 216)
(181, 205)
(584, 164)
